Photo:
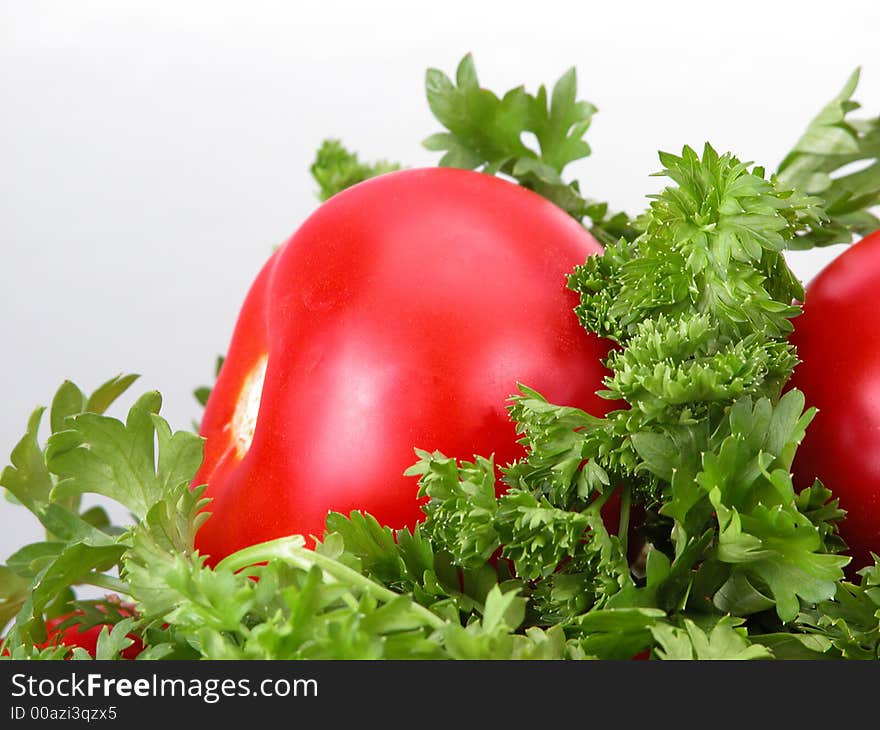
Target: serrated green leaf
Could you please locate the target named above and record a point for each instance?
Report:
(112, 641)
(489, 132)
(723, 641)
(107, 393)
(619, 633)
(102, 455)
(831, 142)
(71, 566)
(658, 453)
(32, 559)
(28, 478)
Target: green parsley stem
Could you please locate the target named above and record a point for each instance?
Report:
(101, 580)
(292, 551)
(599, 502)
(623, 524)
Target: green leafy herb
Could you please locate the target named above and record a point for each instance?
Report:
(335, 168)
(818, 164)
(491, 133)
(699, 305)
(669, 527)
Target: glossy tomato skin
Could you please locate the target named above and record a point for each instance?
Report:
(401, 314)
(838, 343)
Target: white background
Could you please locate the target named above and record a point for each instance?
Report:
(152, 153)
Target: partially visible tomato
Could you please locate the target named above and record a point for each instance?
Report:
(401, 314)
(74, 635)
(838, 342)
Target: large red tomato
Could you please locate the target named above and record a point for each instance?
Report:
(838, 342)
(401, 314)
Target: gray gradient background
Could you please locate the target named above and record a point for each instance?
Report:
(152, 153)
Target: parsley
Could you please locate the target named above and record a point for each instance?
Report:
(816, 165)
(715, 557)
(488, 132)
(335, 168)
(699, 304)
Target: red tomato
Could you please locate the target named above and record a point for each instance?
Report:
(401, 314)
(72, 636)
(838, 341)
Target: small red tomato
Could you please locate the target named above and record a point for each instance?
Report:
(75, 636)
(838, 343)
(72, 636)
(401, 314)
